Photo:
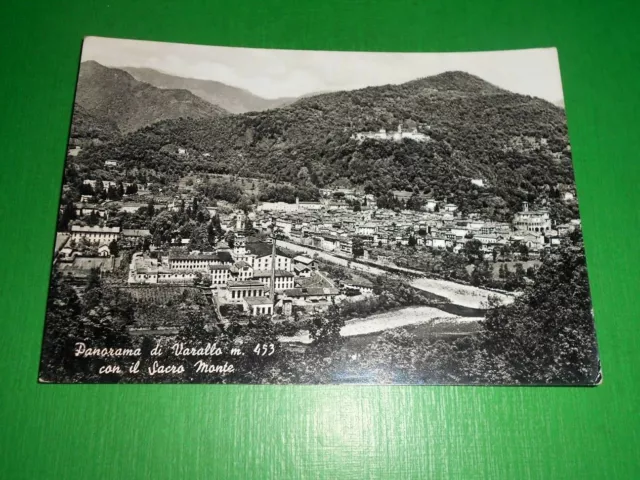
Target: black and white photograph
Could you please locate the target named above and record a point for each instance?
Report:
(253, 216)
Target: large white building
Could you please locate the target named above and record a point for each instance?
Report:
(396, 136)
(95, 234)
(537, 221)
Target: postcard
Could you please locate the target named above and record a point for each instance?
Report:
(254, 216)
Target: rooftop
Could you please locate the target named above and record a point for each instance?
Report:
(267, 273)
(258, 300)
(311, 291)
(78, 228)
(132, 232)
(246, 283)
(303, 259)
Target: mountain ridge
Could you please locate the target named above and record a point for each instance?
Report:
(111, 94)
(232, 99)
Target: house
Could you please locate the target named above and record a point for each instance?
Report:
(86, 198)
(478, 182)
(257, 306)
(110, 163)
(303, 266)
(95, 234)
(359, 283)
(73, 152)
(103, 251)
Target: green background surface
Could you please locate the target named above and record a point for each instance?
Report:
(245, 432)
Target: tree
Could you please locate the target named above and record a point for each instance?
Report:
(473, 250)
(66, 216)
(325, 328)
(356, 206)
(357, 247)
(151, 210)
(113, 248)
(547, 335)
(412, 241)
(494, 254)
(524, 251)
(230, 238)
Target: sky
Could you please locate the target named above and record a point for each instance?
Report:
(292, 73)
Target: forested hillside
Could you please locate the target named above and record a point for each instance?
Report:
(518, 145)
(87, 129)
(113, 95)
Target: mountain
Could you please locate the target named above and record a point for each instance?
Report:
(518, 145)
(113, 95)
(87, 128)
(232, 99)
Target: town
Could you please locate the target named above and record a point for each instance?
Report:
(267, 258)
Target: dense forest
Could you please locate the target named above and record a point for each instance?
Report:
(87, 129)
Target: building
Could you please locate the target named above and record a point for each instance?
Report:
(89, 208)
(237, 291)
(396, 136)
(478, 182)
(303, 266)
(361, 284)
(367, 229)
(143, 269)
(134, 234)
(257, 306)
(199, 262)
(104, 251)
(283, 279)
(241, 271)
(110, 163)
(131, 207)
(259, 256)
(94, 234)
(220, 275)
(537, 221)
(305, 296)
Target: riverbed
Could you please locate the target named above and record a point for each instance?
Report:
(389, 320)
(459, 294)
